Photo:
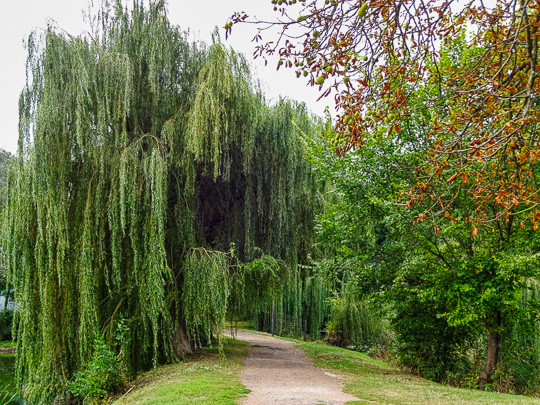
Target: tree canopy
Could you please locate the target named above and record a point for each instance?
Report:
(445, 284)
(482, 114)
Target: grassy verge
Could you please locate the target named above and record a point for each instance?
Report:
(8, 343)
(207, 378)
(238, 325)
(375, 382)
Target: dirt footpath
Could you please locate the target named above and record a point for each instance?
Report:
(278, 373)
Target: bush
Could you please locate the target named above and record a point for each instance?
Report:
(6, 324)
(102, 374)
(427, 344)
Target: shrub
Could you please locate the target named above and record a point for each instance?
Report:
(102, 374)
(519, 367)
(427, 344)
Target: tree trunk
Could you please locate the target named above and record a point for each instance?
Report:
(181, 343)
(493, 344)
(273, 317)
(261, 322)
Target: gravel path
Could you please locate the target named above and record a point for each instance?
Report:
(278, 373)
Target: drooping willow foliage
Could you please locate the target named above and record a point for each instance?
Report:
(290, 300)
(141, 157)
(356, 323)
(204, 293)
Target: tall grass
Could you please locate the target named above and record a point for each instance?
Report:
(5, 396)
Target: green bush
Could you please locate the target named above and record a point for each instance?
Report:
(6, 324)
(427, 344)
(101, 376)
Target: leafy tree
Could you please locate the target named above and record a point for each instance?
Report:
(483, 121)
(452, 121)
(446, 283)
(142, 158)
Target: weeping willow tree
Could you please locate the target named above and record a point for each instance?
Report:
(142, 158)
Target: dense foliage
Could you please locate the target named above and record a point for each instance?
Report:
(460, 303)
(101, 375)
(371, 55)
(143, 160)
(441, 198)
(155, 192)
(6, 324)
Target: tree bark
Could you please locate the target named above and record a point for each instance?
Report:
(493, 345)
(181, 343)
(260, 326)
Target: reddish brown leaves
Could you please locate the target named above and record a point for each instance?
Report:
(483, 124)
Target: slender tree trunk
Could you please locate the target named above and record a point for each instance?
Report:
(273, 317)
(261, 322)
(493, 345)
(181, 343)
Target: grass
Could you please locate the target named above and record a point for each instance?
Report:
(373, 381)
(207, 378)
(238, 324)
(5, 396)
(211, 379)
(8, 343)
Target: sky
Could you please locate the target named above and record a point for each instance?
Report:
(19, 18)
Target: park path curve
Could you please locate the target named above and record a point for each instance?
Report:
(278, 373)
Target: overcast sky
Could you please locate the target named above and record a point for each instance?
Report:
(19, 18)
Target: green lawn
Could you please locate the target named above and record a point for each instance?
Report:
(211, 379)
(375, 382)
(207, 378)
